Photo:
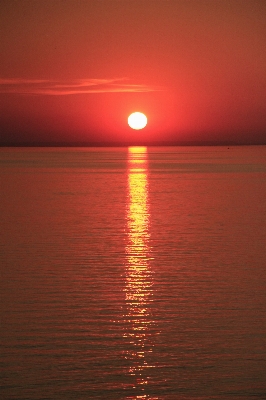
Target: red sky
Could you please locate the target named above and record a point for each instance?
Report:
(74, 70)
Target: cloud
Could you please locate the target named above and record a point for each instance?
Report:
(77, 86)
(20, 81)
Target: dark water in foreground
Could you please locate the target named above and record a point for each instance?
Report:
(133, 273)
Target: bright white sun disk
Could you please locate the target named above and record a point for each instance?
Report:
(137, 120)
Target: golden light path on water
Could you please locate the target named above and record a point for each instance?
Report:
(139, 279)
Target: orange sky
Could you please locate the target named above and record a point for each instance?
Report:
(72, 71)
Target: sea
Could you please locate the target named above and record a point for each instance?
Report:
(133, 273)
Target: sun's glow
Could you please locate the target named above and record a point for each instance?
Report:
(137, 120)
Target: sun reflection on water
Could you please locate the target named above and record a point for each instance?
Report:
(139, 279)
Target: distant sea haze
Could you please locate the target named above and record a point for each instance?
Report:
(133, 272)
(141, 141)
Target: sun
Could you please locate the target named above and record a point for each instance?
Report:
(137, 120)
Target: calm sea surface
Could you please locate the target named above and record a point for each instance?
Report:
(133, 273)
